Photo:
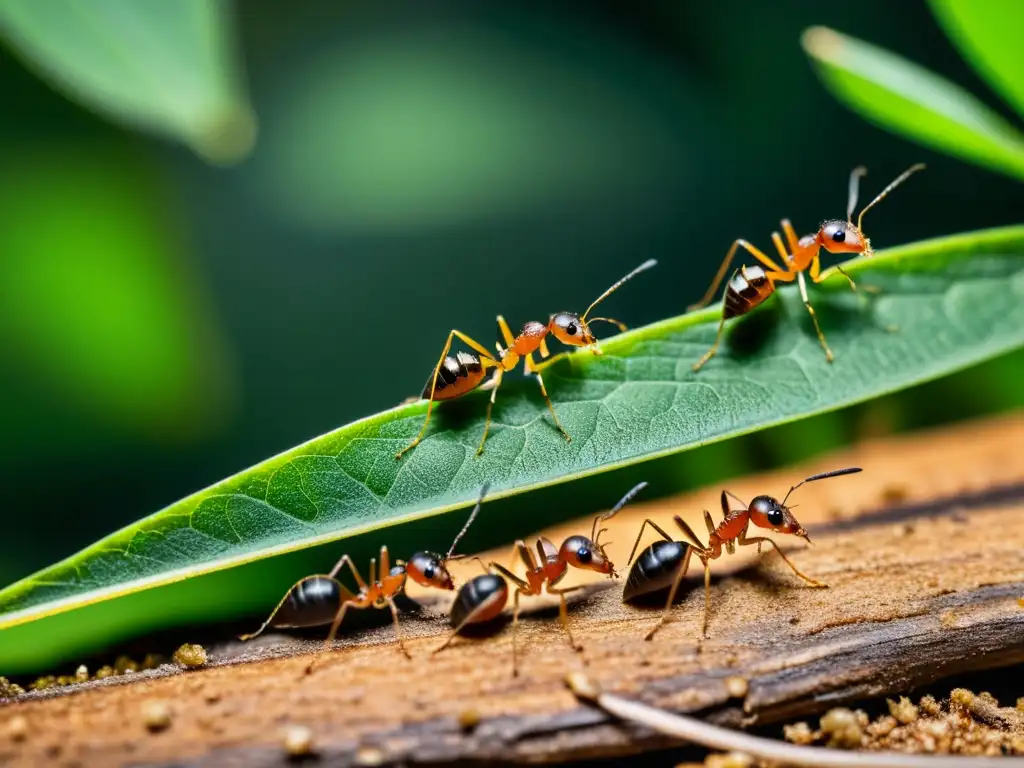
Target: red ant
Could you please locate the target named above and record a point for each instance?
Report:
(484, 598)
(660, 565)
(750, 286)
(322, 599)
(456, 376)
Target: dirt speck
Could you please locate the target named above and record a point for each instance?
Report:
(9, 690)
(843, 728)
(298, 741)
(737, 687)
(729, 760)
(156, 715)
(469, 719)
(17, 728)
(904, 710)
(370, 756)
(190, 655)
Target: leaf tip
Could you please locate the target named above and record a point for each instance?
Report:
(228, 136)
(822, 43)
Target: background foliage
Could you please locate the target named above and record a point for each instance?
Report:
(165, 322)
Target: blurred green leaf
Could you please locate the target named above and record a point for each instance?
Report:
(905, 98)
(100, 313)
(989, 35)
(429, 129)
(957, 300)
(166, 67)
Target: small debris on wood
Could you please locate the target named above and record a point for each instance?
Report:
(469, 719)
(737, 687)
(968, 724)
(729, 760)
(298, 741)
(190, 655)
(156, 715)
(9, 690)
(844, 728)
(17, 728)
(904, 710)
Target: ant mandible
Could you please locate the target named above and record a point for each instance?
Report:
(661, 564)
(322, 599)
(484, 597)
(457, 375)
(750, 286)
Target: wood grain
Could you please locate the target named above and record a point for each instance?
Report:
(923, 554)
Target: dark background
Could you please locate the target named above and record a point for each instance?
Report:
(164, 323)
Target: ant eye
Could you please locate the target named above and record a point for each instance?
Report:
(571, 329)
(584, 555)
(428, 572)
(839, 235)
(775, 517)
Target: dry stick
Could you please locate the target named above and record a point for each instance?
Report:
(714, 737)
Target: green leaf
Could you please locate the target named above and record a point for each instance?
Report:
(166, 67)
(104, 322)
(989, 36)
(905, 98)
(957, 301)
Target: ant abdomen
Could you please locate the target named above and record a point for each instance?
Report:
(655, 570)
(483, 596)
(457, 375)
(747, 288)
(312, 602)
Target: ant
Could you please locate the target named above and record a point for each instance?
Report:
(750, 286)
(457, 375)
(484, 597)
(665, 563)
(323, 599)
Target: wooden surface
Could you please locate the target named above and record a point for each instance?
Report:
(923, 552)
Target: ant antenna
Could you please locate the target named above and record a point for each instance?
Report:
(823, 476)
(645, 266)
(630, 495)
(895, 183)
(851, 201)
(472, 517)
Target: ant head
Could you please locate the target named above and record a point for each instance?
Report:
(571, 329)
(843, 237)
(768, 512)
(429, 570)
(581, 552)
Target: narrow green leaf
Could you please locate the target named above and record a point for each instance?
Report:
(166, 67)
(103, 316)
(956, 301)
(989, 36)
(905, 98)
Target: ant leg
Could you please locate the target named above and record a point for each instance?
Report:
(683, 568)
(273, 613)
(807, 303)
(722, 270)
(780, 248)
(346, 560)
(531, 368)
(498, 373)
(688, 531)
(639, 536)
(515, 633)
(433, 382)
(470, 619)
(791, 237)
(707, 599)
(338, 618)
(718, 340)
(759, 540)
(563, 613)
(506, 332)
(398, 631)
